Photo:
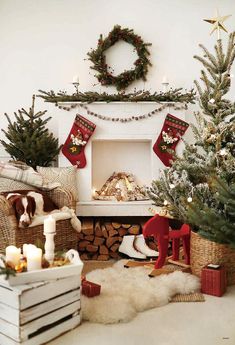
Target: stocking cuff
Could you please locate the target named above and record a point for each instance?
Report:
(176, 123)
(85, 124)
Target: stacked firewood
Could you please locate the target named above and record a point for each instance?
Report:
(100, 240)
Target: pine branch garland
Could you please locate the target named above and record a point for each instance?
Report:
(173, 95)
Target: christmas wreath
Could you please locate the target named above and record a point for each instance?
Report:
(121, 81)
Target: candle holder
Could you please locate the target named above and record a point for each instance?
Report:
(76, 84)
(49, 247)
(49, 232)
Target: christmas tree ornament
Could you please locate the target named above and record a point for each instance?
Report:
(173, 129)
(217, 23)
(74, 146)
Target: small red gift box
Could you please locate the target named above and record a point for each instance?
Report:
(90, 289)
(213, 280)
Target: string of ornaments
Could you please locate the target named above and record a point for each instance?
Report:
(126, 119)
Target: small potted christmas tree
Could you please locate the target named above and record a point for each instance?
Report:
(29, 140)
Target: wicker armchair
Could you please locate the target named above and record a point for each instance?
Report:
(10, 234)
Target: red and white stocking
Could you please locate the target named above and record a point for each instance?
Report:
(173, 129)
(74, 146)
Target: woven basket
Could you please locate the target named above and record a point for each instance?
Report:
(204, 252)
(66, 237)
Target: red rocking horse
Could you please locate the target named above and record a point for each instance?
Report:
(158, 227)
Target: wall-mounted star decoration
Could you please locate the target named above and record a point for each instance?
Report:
(217, 23)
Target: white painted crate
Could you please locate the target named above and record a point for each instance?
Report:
(33, 314)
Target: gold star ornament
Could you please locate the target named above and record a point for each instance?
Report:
(217, 23)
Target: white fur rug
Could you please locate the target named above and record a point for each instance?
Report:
(127, 291)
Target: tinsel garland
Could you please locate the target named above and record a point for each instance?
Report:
(126, 119)
(98, 58)
(172, 95)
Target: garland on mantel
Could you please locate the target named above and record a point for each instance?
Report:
(172, 95)
(126, 119)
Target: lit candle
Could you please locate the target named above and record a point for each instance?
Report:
(13, 255)
(34, 259)
(75, 79)
(49, 232)
(27, 247)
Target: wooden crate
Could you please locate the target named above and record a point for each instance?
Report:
(33, 314)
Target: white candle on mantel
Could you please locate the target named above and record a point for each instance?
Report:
(75, 79)
(34, 259)
(165, 80)
(27, 247)
(13, 255)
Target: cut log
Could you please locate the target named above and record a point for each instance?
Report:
(122, 231)
(83, 244)
(84, 256)
(134, 229)
(104, 231)
(88, 231)
(111, 240)
(89, 238)
(98, 241)
(126, 226)
(91, 248)
(120, 239)
(103, 257)
(114, 255)
(80, 236)
(87, 223)
(98, 231)
(115, 247)
(108, 226)
(116, 225)
(103, 250)
(94, 256)
(113, 233)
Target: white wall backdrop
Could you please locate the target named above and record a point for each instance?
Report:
(44, 43)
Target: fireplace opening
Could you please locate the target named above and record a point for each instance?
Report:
(121, 169)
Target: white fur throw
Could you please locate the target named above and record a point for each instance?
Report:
(127, 291)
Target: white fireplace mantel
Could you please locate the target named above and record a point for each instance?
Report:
(117, 146)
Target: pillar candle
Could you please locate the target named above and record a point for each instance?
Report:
(165, 80)
(13, 255)
(49, 225)
(27, 247)
(34, 259)
(75, 79)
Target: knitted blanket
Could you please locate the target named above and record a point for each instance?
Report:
(24, 173)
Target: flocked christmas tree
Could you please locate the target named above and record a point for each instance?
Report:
(29, 140)
(188, 184)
